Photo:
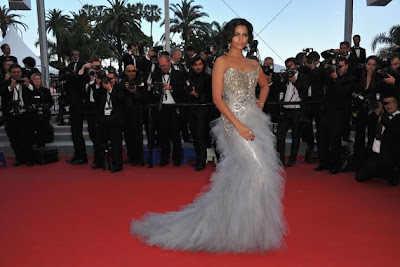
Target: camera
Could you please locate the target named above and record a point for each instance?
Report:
(308, 50)
(268, 70)
(20, 81)
(133, 85)
(370, 101)
(330, 60)
(15, 107)
(253, 50)
(289, 72)
(208, 51)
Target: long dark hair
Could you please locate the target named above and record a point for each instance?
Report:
(363, 78)
(229, 30)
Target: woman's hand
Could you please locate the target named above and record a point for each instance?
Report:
(245, 132)
(259, 104)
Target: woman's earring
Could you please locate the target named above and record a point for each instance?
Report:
(248, 47)
(229, 46)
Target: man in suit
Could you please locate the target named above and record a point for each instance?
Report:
(112, 103)
(294, 87)
(75, 95)
(16, 97)
(172, 92)
(199, 92)
(76, 63)
(176, 56)
(5, 48)
(357, 50)
(392, 82)
(384, 156)
(273, 79)
(136, 90)
(131, 57)
(339, 89)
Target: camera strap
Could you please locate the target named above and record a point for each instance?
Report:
(108, 101)
(18, 94)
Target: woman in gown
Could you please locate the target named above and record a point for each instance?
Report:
(242, 210)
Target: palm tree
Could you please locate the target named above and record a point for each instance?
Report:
(7, 19)
(390, 39)
(58, 24)
(116, 24)
(152, 14)
(186, 20)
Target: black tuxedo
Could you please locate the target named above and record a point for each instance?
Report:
(381, 165)
(363, 54)
(75, 66)
(133, 127)
(28, 72)
(333, 113)
(134, 60)
(109, 127)
(169, 118)
(19, 127)
(198, 116)
(290, 118)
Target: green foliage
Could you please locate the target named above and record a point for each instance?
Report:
(7, 19)
(389, 39)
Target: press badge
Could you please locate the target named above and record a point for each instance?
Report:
(107, 112)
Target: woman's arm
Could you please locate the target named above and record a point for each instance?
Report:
(264, 88)
(217, 90)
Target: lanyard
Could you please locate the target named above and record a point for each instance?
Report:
(108, 100)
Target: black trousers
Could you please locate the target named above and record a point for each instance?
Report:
(20, 132)
(106, 132)
(374, 166)
(312, 113)
(347, 122)
(363, 122)
(91, 118)
(331, 139)
(198, 123)
(132, 136)
(77, 136)
(41, 127)
(290, 118)
(169, 127)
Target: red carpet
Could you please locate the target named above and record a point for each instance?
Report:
(60, 215)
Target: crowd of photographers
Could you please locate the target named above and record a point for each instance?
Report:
(346, 89)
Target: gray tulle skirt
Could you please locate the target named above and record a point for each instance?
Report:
(241, 211)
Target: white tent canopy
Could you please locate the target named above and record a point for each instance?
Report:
(20, 50)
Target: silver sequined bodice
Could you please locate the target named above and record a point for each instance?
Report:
(239, 92)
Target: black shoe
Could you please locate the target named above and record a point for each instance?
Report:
(116, 170)
(394, 181)
(163, 164)
(333, 171)
(291, 163)
(29, 163)
(200, 167)
(79, 162)
(70, 160)
(17, 163)
(319, 168)
(95, 166)
(177, 164)
(194, 165)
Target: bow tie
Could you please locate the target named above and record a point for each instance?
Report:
(166, 74)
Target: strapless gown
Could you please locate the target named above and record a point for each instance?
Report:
(241, 212)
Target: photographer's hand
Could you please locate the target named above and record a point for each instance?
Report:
(13, 84)
(167, 87)
(107, 86)
(26, 82)
(193, 93)
(334, 75)
(293, 79)
(378, 111)
(391, 80)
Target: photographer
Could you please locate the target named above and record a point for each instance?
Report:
(273, 79)
(75, 95)
(131, 57)
(311, 112)
(90, 76)
(190, 53)
(168, 86)
(176, 60)
(365, 99)
(111, 103)
(135, 89)
(199, 92)
(41, 103)
(16, 97)
(339, 89)
(76, 63)
(5, 74)
(384, 155)
(294, 87)
(210, 55)
(392, 81)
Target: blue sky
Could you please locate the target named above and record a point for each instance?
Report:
(303, 23)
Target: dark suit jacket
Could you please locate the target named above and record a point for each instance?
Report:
(363, 54)
(177, 81)
(302, 84)
(390, 139)
(128, 60)
(7, 96)
(338, 93)
(119, 102)
(79, 65)
(202, 85)
(2, 58)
